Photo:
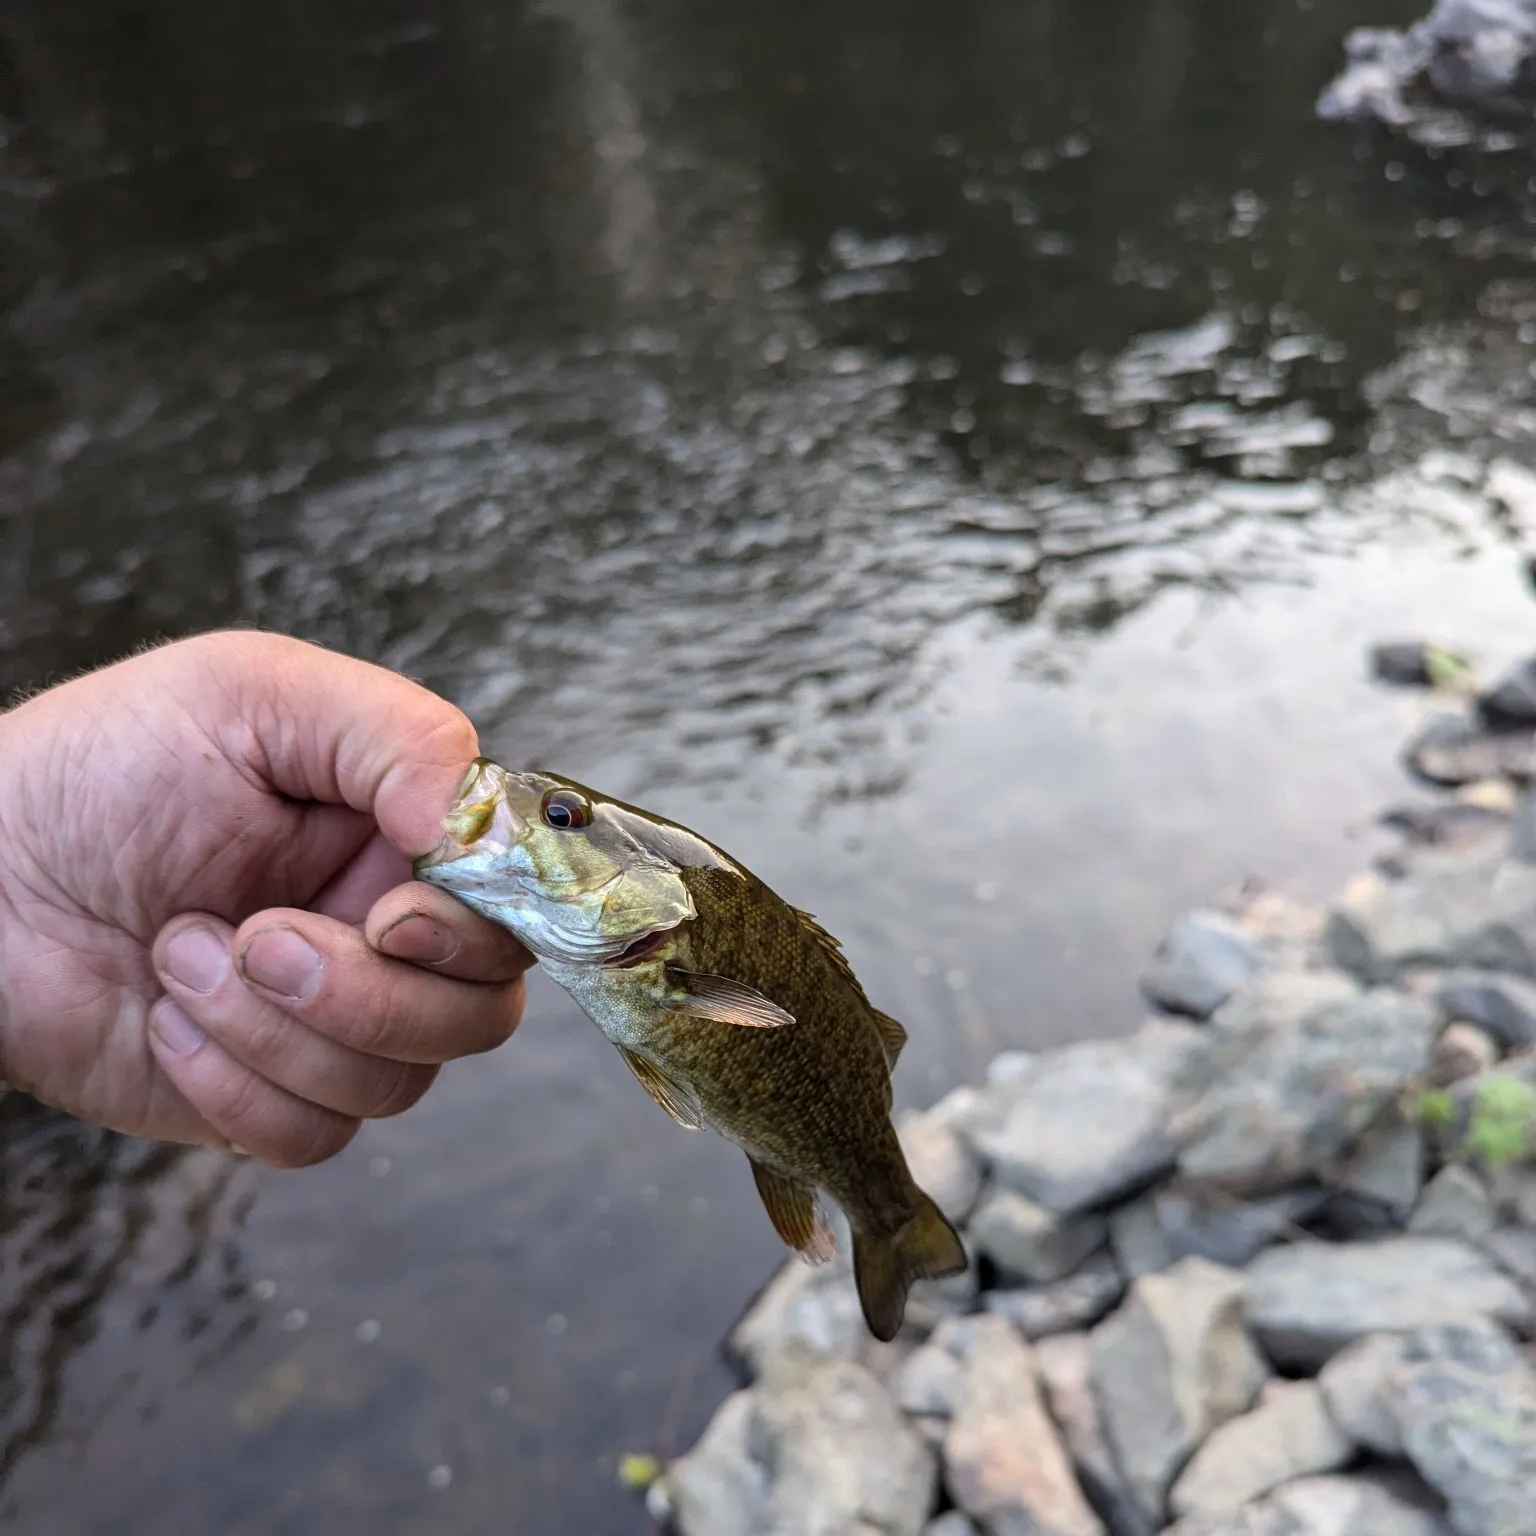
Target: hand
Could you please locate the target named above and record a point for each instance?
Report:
(208, 932)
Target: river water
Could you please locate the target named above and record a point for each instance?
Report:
(953, 456)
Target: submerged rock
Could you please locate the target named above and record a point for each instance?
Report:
(1168, 1367)
(818, 1447)
(1272, 1103)
(1290, 1434)
(1196, 968)
(1077, 1127)
(1306, 1301)
(1005, 1463)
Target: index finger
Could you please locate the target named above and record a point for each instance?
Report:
(426, 926)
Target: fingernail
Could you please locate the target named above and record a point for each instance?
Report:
(198, 958)
(175, 1029)
(419, 938)
(282, 961)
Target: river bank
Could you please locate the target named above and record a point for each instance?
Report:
(1265, 1267)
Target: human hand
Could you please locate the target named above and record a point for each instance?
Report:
(208, 931)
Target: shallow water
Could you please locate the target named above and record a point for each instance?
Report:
(956, 460)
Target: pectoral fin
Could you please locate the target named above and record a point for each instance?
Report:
(892, 1037)
(725, 1001)
(796, 1216)
(678, 1099)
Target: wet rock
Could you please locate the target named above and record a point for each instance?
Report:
(1199, 964)
(1169, 1366)
(1454, 749)
(1461, 1050)
(1503, 1006)
(1468, 1424)
(1389, 1170)
(1511, 701)
(926, 1382)
(1066, 1365)
(1077, 1127)
(1463, 910)
(1006, 1465)
(1455, 1203)
(1326, 1506)
(1353, 1384)
(954, 1523)
(1306, 1301)
(941, 1163)
(1077, 1302)
(1270, 1103)
(1413, 663)
(1027, 1242)
(1289, 1435)
(817, 1447)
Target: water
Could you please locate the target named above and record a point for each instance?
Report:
(956, 459)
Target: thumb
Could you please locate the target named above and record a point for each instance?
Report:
(317, 725)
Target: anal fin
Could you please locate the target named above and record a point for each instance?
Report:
(725, 1001)
(796, 1214)
(678, 1099)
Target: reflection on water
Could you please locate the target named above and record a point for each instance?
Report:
(956, 461)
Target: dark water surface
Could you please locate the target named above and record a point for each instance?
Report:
(953, 455)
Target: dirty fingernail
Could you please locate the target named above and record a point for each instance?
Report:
(198, 958)
(283, 961)
(418, 938)
(176, 1029)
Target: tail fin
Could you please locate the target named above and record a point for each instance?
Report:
(885, 1265)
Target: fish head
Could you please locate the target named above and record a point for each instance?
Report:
(577, 877)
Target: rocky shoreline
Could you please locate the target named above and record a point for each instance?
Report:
(1266, 1267)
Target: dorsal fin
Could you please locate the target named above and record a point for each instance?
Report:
(892, 1035)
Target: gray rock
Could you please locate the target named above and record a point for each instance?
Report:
(1276, 1098)
(1514, 1189)
(1469, 910)
(929, 1302)
(1353, 1384)
(954, 1523)
(1461, 1050)
(1205, 956)
(1504, 1006)
(1455, 749)
(1066, 1366)
(1453, 824)
(1324, 1506)
(1137, 1239)
(1288, 1435)
(1078, 1302)
(1279, 1000)
(926, 1382)
(1168, 1367)
(1006, 1465)
(1389, 1169)
(1351, 1218)
(1077, 1127)
(1306, 1301)
(1511, 701)
(1027, 1242)
(1455, 1203)
(1469, 1426)
(818, 1447)
(941, 1163)
(1411, 663)
(1513, 1249)
(1228, 1230)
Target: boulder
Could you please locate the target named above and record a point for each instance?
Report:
(1027, 1242)
(1169, 1366)
(817, 1447)
(1005, 1463)
(1077, 1127)
(1278, 1097)
(1195, 969)
(1325, 1506)
(1307, 1300)
(1066, 1370)
(1288, 1435)
(1077, 1302)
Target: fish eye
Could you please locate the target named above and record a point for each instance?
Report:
(566, 809)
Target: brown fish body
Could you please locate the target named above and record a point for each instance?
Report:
(744, 1017)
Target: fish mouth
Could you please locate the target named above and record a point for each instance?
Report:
(478, 807)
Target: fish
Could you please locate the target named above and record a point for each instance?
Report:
(736, 1011)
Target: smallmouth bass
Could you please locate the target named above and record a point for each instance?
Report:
(736, 1011)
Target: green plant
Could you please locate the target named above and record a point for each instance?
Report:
(1436, 1108)
(1503, 1120)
